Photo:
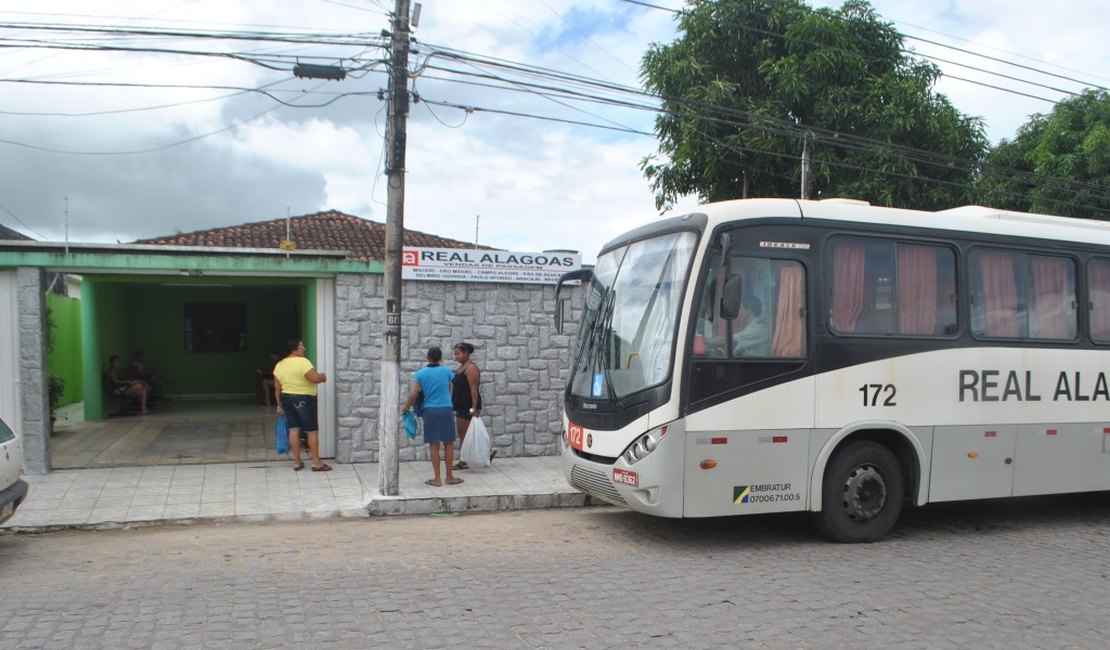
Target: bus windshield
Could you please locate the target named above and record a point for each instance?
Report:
(630, 317)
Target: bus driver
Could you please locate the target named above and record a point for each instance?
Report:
(754, 337)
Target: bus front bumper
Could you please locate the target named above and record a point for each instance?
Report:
(650, 486)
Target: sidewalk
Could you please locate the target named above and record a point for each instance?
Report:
(262, 491)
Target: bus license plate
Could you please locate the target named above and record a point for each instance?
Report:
(626, 477)
(576, 434)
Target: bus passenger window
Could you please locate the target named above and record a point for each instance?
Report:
(1018, 295)
(1099, 281)
(886, 288)
(1052, 300)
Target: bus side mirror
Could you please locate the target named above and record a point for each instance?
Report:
(730, 298)
(579, 275)
(560, 306)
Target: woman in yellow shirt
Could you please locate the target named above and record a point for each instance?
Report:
(295, 381)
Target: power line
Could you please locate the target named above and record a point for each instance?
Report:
(313, 38)
(913, 53)
(29, 228)
(773, 126)
(733, 118)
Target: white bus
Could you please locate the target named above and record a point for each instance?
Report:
(775, 355)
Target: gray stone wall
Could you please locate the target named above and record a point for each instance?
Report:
(33, 398)
(524, 363)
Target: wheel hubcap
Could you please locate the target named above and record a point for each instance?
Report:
(864, 493)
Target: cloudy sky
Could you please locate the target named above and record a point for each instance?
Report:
(161, 134)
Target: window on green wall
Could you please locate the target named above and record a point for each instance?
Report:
(215, 327)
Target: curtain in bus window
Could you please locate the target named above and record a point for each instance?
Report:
(1099, 272)
(847, 286)
(1053, 298)
(1000, 295)
(917, 289)
(789, 331)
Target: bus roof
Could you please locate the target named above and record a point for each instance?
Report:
(964, 219)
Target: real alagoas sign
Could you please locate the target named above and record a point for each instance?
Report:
(472, 265)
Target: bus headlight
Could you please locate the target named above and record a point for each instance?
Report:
(641, 447)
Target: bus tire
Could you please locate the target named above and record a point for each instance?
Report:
(861, 494)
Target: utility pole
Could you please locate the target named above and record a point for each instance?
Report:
(805, 165)
(389, 411)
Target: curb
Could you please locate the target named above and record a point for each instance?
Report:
(381, 505)
(320, 515)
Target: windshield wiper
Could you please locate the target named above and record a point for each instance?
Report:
(600, 342)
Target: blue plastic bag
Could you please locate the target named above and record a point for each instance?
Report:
(410, 424)
(281, 435)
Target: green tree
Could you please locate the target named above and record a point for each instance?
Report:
(748, 80)
(1057, 163)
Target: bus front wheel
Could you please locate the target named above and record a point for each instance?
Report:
(861, 494)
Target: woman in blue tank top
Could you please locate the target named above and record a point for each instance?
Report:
(434, 382)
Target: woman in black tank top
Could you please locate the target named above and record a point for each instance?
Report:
(466, 398)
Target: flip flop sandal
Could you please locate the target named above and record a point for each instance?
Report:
(323, 468)
(454, 481)
(298, 467)
(461, 465)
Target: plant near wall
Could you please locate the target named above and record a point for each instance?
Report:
(56, 385)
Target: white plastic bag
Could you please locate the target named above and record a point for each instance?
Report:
(475, 447)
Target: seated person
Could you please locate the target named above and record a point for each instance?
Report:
(266, 377)
(139, 370)
(121, 387)
(754, 337)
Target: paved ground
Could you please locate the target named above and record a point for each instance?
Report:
(1030, 573)
(261, 491)
(181, 432)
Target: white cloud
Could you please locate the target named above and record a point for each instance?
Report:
(536, 184)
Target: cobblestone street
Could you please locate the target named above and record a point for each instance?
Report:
(1029, 573)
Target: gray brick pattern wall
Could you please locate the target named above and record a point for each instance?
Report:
(524, 363)
(32, 365)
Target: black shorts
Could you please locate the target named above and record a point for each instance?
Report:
(300, 412)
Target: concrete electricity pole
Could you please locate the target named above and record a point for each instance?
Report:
(389, 412)
(806, 166)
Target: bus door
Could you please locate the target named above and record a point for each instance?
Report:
(748, 393)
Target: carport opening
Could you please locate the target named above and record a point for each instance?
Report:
(209, 338)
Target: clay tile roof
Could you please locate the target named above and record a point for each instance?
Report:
(331, 230)
(8, 233)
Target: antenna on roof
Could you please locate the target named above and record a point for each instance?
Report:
(477, 218)
(67, 226)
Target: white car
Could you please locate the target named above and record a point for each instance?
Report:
(12, 490)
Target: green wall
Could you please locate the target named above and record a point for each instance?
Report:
(115, 323)
(148, 314)
(64, 357)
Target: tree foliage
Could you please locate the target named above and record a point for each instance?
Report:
(1058, 163)
(748, 81)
